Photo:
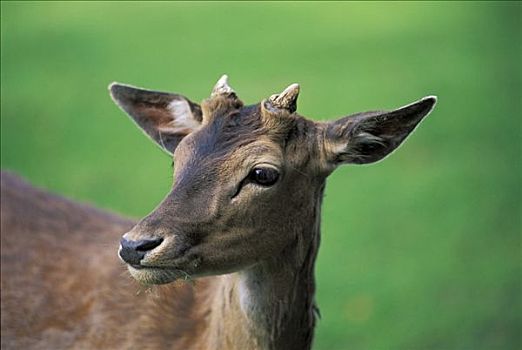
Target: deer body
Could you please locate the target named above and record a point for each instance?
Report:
(242, 220)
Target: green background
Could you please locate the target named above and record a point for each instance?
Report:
(420, 251)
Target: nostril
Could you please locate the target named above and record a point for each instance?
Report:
(133, 251)
(146, 245)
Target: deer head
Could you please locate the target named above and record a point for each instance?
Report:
(246, 178)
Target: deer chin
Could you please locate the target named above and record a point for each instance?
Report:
(156, 275)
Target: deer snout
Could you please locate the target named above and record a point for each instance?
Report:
(132, 252)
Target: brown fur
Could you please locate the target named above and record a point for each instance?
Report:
(63, 287)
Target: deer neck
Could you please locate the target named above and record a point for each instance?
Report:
(271, 305)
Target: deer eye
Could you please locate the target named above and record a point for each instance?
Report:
(264, 176)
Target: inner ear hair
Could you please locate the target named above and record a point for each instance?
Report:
(371, 136)
(164, 117)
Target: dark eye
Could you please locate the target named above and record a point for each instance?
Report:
(264, 176)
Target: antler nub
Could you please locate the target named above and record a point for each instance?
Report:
(222, 87)
(286, 99)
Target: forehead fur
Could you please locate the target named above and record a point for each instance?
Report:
(229, 126)
(219, 106)
(228, 123)
(232, 129)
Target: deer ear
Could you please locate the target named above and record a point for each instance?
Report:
(166, 118)
(369, 137)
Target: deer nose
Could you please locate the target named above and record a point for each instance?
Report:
(133, 251)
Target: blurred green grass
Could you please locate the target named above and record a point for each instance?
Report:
(421, 251)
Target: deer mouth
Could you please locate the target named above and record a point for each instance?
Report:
(137, 267)
(146, 272)
(149, 275)
(161, 266)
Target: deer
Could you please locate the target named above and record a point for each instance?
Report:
(225, 261)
